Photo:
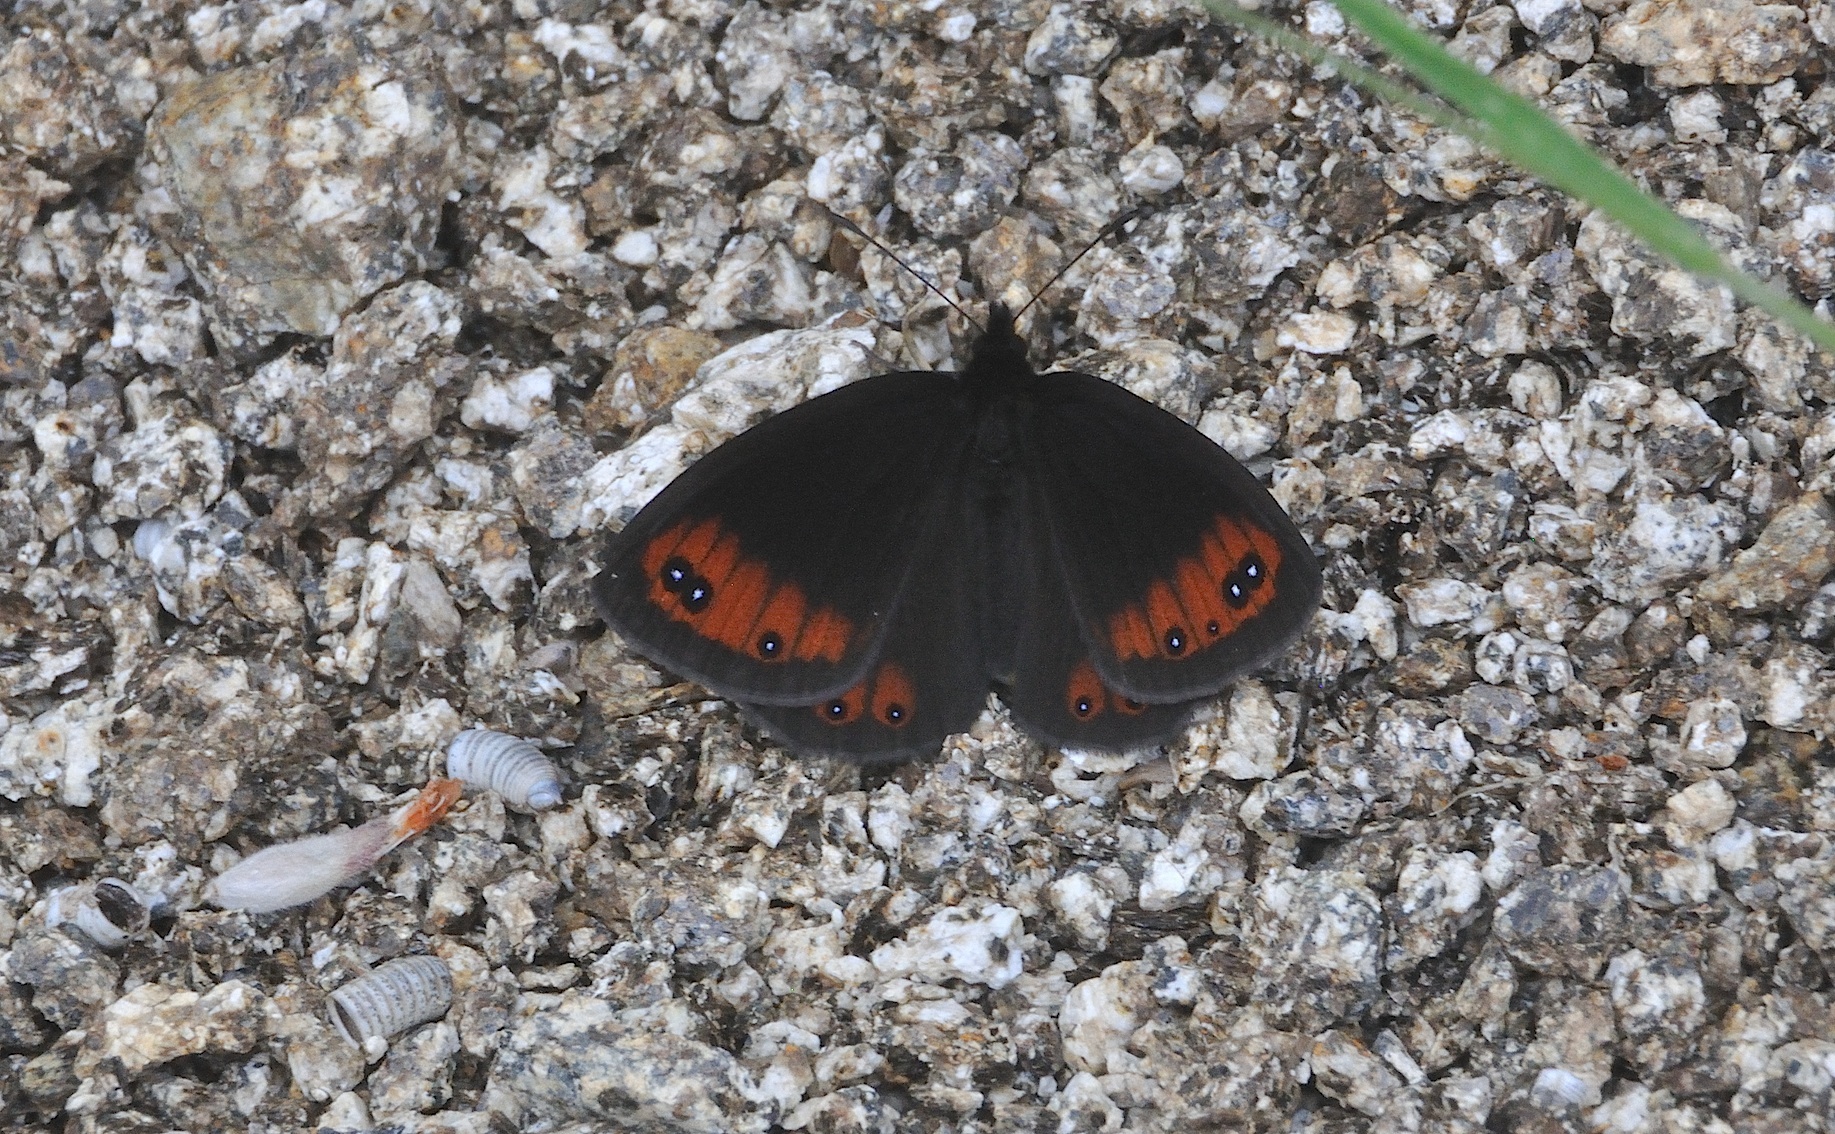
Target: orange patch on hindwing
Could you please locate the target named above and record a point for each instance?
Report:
(842, 710)
(824, 636)
(1084, 695)
(699, 574)
(1204, 598)
(894, 697)
(888, 692)
(1129, 634)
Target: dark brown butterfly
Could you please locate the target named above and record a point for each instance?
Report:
(858, 571)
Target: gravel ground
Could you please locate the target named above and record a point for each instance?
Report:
(332, 335)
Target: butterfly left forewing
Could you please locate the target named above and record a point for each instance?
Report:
(766, 571)
(1183, 572)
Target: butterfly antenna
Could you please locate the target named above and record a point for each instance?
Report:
(1108, 230)
(893, 256)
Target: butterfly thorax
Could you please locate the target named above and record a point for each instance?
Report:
(999, 361)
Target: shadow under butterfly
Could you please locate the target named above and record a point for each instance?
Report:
(858, 571)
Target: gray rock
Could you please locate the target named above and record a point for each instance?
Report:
(301, 187)
(577, 1061)
(1562, 919)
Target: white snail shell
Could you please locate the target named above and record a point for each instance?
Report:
(108, 911)
(513, 768)
(392, 998)
(1560, 1087)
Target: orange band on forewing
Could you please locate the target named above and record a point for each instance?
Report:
(739, 601)
(698, 542)
(1214, 551)
(660, 548)
(1202, 600)
(823, 637)
(656, 553)
(1235, 540)
(1130, 636)
(1270, 549)
(717, 566)
(1192, 599)
(892, 689)
(736, 605)
(1246, 541)
(1165, 615)
(783, 616)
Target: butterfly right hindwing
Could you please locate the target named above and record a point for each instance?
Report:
(1054, 689)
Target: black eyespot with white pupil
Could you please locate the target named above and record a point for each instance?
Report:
(895, 713)
(1243, 582)
(1084, 706)
(836, 710)
(1175, 640)
(678, 577)
(769, 643)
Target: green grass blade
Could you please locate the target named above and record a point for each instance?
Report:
(1360, 76)
(1516, 129)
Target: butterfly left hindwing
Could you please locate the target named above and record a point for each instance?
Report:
(926, 682)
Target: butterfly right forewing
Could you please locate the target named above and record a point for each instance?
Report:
(1182, 571)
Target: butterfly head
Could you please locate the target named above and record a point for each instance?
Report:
(1000, 354)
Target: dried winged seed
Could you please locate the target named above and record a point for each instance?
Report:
(292, 874)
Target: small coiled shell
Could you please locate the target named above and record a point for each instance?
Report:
(1557, 1089)
(392, 998)
(513, 768)
(108, 911)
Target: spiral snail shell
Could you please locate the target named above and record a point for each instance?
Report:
(392, 998)
(108, 911)
(1557, 1088)
(513, 768)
